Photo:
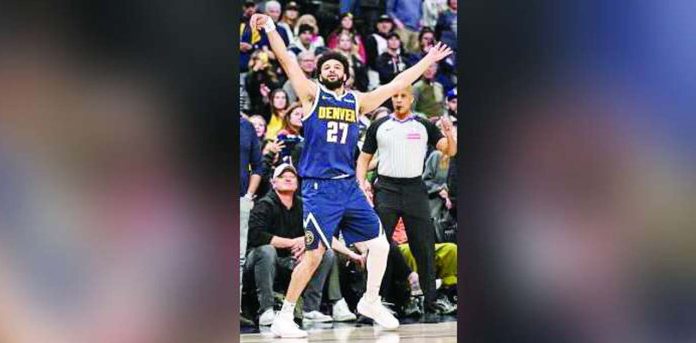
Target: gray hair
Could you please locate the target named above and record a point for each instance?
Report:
(305, 53)
(271, 4)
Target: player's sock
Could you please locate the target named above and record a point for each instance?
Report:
(288, 309)
(378, 250)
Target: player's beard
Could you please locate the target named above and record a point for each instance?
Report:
(331, 85)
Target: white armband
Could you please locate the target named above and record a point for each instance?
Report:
(269, 25)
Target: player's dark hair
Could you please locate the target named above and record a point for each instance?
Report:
(333, 55)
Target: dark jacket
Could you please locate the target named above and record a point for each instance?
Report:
(388, 67)
(270, 217)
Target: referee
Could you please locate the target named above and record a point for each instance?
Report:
(402, 139)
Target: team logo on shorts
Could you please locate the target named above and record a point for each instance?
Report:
(309, 238)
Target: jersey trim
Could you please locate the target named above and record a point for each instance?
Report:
(357, 105)
(310, 218)
(333, 93)
(314, 104)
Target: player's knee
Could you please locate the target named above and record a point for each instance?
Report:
(380, 245)
(314, 257)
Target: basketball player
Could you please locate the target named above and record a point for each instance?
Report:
(330, 192)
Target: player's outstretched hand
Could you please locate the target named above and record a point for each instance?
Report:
(258, 20)
(438, 52)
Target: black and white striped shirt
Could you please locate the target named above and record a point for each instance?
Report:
(402, 144)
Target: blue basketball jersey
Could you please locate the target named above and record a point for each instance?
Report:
(331, 133)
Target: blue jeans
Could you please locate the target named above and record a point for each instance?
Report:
(264, 261)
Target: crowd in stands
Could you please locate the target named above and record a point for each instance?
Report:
(380, 40)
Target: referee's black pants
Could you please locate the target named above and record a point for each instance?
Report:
(408, 198)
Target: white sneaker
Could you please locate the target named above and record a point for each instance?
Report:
(378, 313)
(285, 327)
(316, 316)
(267, 317)
(341, 312)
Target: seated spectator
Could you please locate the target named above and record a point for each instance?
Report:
(305, 41)
(357, 69)
(308, 64)
(445, 267)
(260, 127)
(286, 148)
(250, 39)
(289, 19)
(272, 9)
(276, 112)
(446, 28)
(376, 43)
(399, 283)
(260, 81)
(393, 61)
(435, 178)
(290, 135)
(277, 240)
(428, 94)
(446, 71)
(346, 26)
(316, 40)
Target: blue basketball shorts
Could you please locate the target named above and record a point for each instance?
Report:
(332, 206)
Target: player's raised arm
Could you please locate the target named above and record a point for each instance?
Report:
(304, 88)
(370, 101)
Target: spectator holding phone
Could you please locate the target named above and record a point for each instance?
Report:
(291, 135)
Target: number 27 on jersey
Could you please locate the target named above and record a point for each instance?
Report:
(336, 130)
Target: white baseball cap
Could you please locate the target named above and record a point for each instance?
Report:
(282, 168)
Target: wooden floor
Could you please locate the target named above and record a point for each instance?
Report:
(444, 332)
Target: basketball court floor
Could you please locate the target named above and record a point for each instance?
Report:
(443, 332)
